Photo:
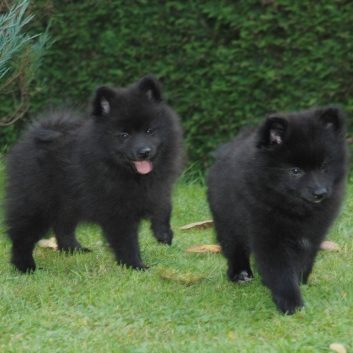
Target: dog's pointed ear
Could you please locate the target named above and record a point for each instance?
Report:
(272, 131)
(151, 87)
(332, 118)
(102, 100)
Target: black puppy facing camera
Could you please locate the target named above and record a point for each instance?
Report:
(113, 168)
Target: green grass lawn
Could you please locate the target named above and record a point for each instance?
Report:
(86, 303)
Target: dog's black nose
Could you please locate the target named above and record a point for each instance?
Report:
(144, 152)
(319, 194)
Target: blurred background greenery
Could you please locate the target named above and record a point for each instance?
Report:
(223, 64)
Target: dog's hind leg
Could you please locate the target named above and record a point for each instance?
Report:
(236, 252)
(239, 270)
(64, 231)
(24, 234)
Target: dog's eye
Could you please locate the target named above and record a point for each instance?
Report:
(296, 171)
(149, 131)
(124, 136)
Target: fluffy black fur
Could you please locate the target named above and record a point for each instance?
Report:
(113, 168)
(274, 191)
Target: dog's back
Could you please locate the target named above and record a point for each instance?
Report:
(47, 149)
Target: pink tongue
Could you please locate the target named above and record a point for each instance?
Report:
(143, 167)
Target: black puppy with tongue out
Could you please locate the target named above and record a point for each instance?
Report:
(114, 169)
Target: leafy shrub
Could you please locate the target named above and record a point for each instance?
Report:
(20, 58)
(223, 64)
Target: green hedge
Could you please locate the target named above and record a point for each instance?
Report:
(224, 64)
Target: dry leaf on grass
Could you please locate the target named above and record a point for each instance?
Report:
(198, 225)
(337, 347)
(186, 278)
(325, 245)
(205, 248)
(48, 243)
(349, 139)
(329, 245)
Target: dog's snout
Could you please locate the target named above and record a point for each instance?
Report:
(319, 194)
(144, 152)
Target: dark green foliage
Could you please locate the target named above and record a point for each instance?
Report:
(224, 64)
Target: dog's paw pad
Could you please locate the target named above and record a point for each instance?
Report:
(243, 277)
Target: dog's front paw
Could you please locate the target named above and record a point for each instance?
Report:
(134, 265)
(73, 250)
(288, 305)
(165, 237)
